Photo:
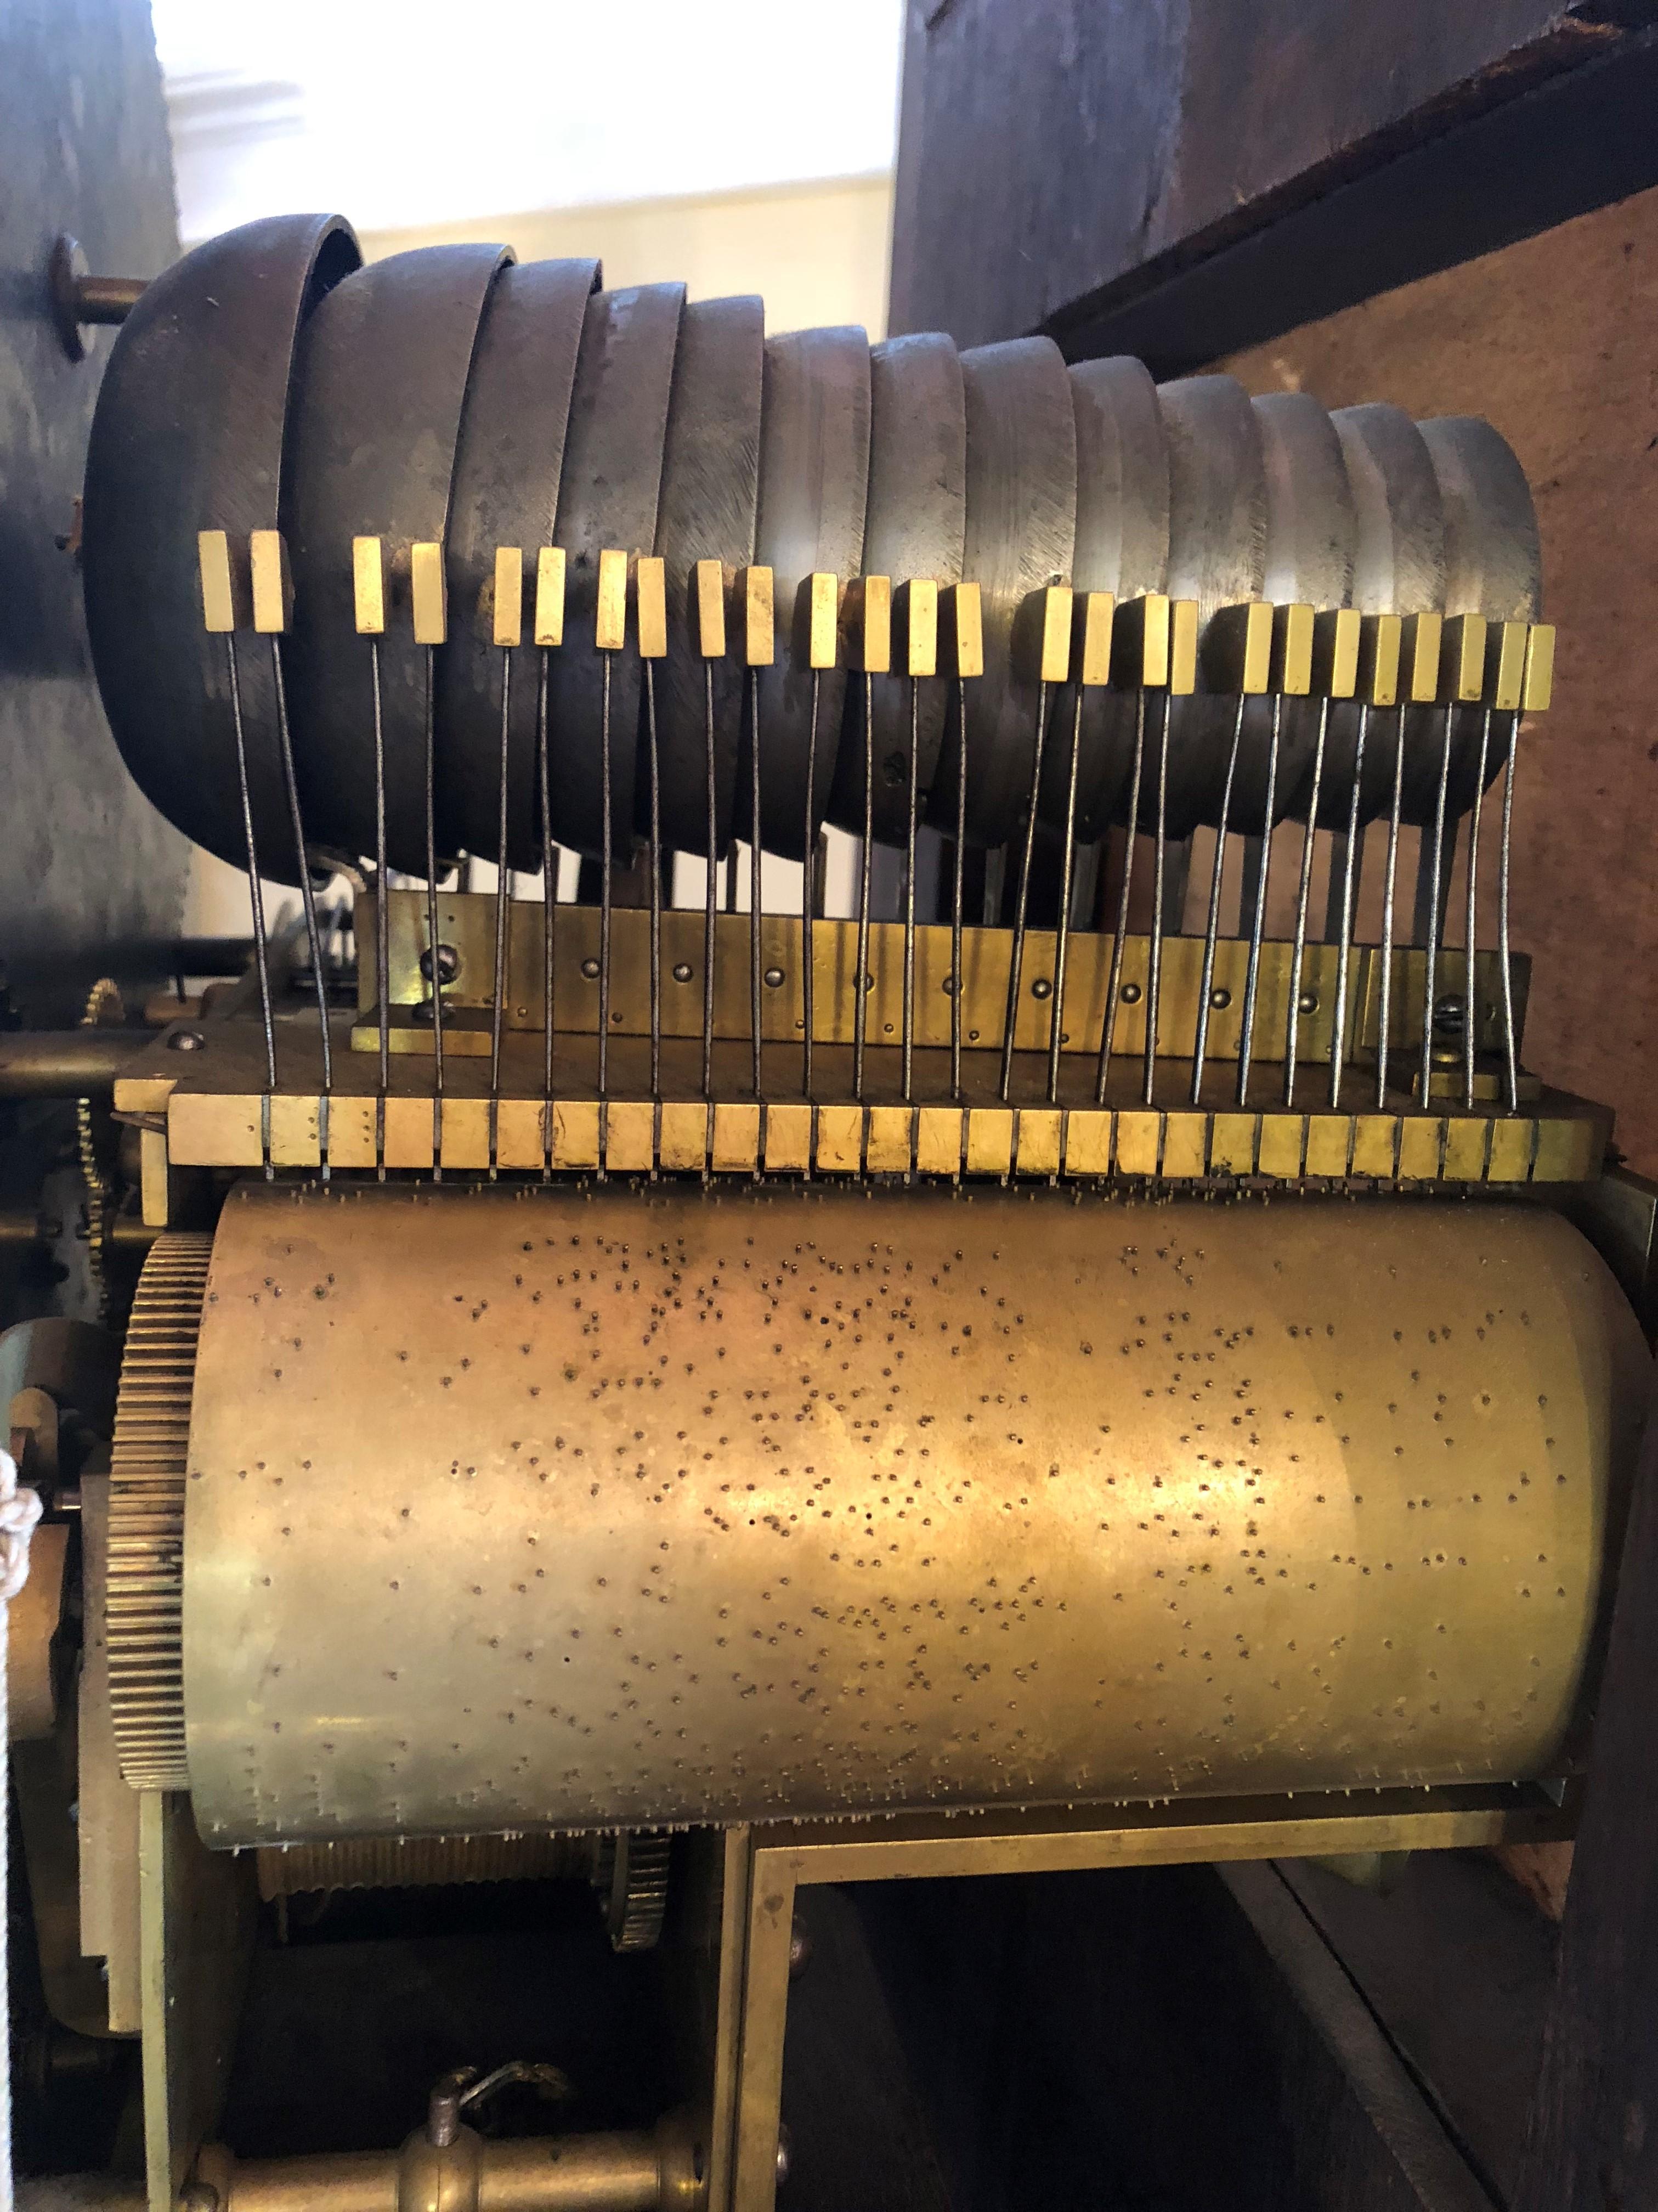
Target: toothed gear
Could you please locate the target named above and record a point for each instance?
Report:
(145, 1605)
(630, 1873)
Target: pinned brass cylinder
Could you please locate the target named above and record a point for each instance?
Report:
(591, 1508)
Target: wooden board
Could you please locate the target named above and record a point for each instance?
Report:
(1550, 338)
(1064, 166)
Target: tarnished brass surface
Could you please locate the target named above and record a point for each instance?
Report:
(466, 923)
(618, 2173)
(577, 1507)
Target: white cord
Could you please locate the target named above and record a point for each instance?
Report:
(19, 1508)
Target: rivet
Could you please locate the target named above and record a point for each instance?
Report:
(682, 971)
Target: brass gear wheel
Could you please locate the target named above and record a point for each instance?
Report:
(92, 1129)
(630, 1875)
(145, 1605)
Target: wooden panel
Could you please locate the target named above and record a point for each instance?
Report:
(1551, 340)
(1130, 142)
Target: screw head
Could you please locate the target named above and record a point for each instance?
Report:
(1041, 988)
(774, 977)
(187, 1041)
(448, 963)
(1131, 994)
(1220, 998)
(589, 970)
(1308, 1002)
(682, 971)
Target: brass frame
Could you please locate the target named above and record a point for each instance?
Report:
(782, 1859)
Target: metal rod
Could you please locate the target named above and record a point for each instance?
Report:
(1258, 918)
(1436, 867)
(957, 890)
(860, 997)
(549, 911)
(1385, 1007)
(1510, 1060)
(711, 895)
(382, 915)
(605, 888)
(757, 857)
(909, 887)
(809, 895)
(1349, 862)
(308, 900)
(1212, 929)
(1022, 897)
(431, 923)
(1299, 955)
(1154, 968)
(654, 766)
(1114, 982)
(503, 900)
(255, 899)
(1473, 918)
(1062, 933)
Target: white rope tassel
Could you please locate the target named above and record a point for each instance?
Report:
(19, 1508)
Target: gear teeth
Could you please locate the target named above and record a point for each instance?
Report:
(631, 1875)
(145, 1607)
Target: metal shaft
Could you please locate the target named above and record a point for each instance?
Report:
(1258, 918)
(1211, 929)
(1298, 954)
(256, 896)
(756, 853)
(1062, 933)
(957, 889)
(1470, 1004)
(431, 924)
(653, 767)
(503, 902)
(1431, 934)
(909, 888)
(606, 887)
(1349, 862)
(860, 997)
(382, 915)
(809, 893)
(1113, 981)
(1159, 860)
(710, 895)
(1022, 895)
(549, 912)
(1510, 1061)
(308, 895)
(1385, 1000)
